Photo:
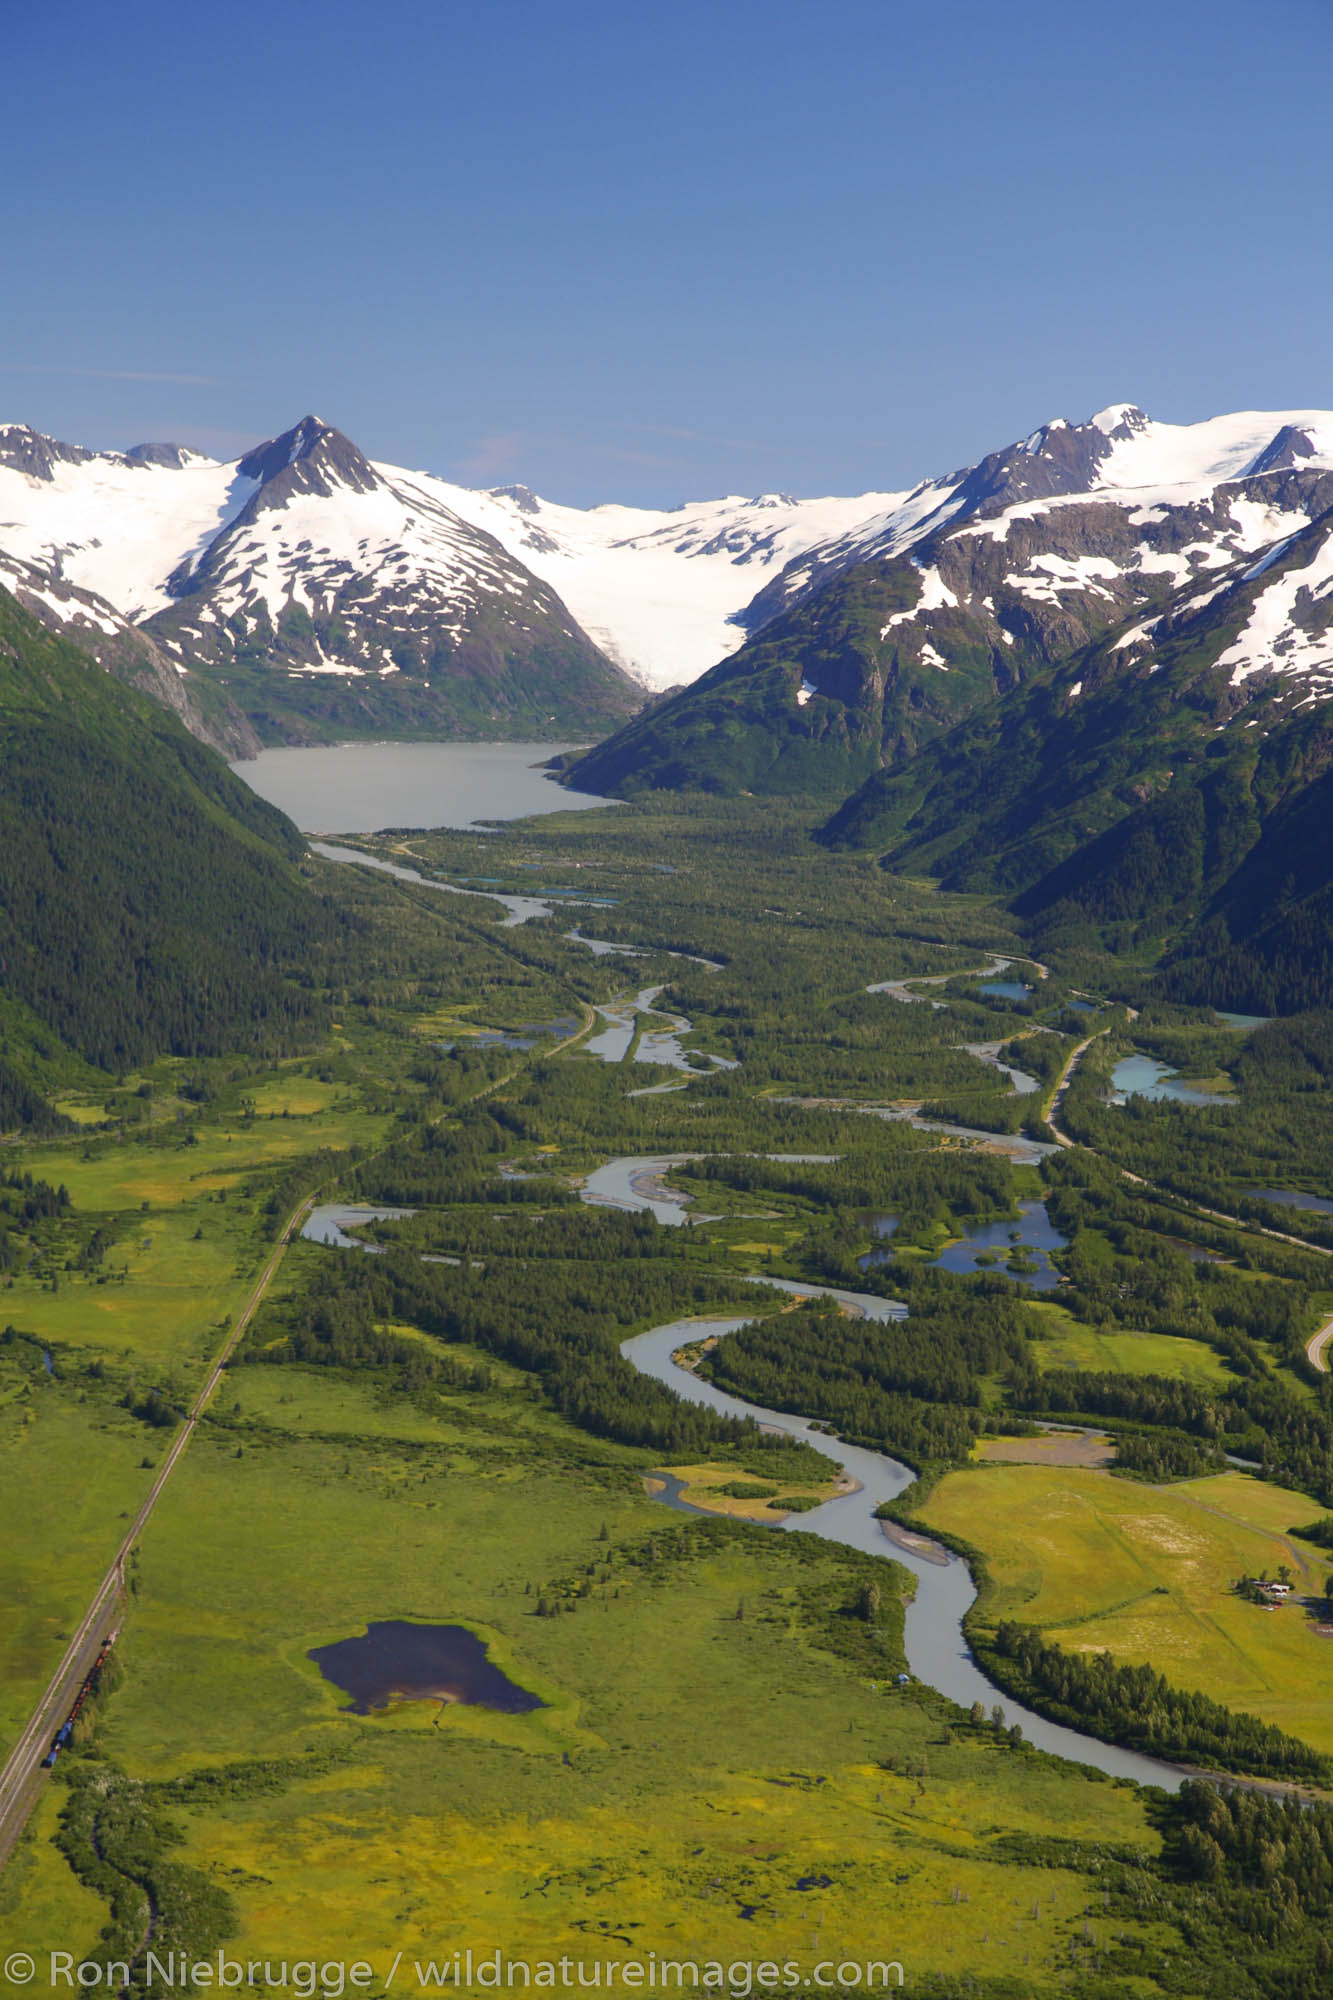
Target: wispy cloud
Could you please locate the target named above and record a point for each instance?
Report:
(490, 457)
(105, 374)
(694, 437)
(633, 457)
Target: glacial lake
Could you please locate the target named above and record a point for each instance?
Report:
(362, 787)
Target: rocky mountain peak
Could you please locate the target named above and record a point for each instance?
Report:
(177, 456)
(312, 457)
(523, 498)
(1291, 446)
(1059, 458)
(23, 449)
(1119, 422)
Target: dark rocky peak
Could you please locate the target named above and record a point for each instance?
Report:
(25, 450)
(1058, 458)
(312, 457)
(1290, 447)
(174, 455)
(523, 498)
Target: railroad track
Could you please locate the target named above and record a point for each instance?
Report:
(21, 1778)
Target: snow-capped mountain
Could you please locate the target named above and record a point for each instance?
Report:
(322, 593)
(1120, 455)
(867, 646)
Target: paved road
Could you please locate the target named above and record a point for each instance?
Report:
(1062, 1083)
(22, 1777)
(1316, 1347)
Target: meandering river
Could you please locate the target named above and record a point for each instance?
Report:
(937, 1650)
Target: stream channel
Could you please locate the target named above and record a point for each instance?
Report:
(936, 1647)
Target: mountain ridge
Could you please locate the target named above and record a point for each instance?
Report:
(1115, 523)
(318, 594)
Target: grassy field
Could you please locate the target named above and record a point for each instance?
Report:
(183, 1243)
(661, 1802)
(1145, 1573)
(71, 1474)
(184, 1249)
(1070, 1344)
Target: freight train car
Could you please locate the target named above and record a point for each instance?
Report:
(87, 1687)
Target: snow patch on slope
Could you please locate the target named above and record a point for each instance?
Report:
(119, 527)
(1276, 639)
(935, 596)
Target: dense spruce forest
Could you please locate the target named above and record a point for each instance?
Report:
(149, 901)
(1135, 1706)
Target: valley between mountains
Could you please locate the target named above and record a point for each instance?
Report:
(461, 1258)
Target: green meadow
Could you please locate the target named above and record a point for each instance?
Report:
(723, 1764)
(654, 1804)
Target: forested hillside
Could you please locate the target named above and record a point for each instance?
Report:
(148, 898)
(1136, 805)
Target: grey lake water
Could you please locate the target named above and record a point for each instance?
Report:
(363, 787)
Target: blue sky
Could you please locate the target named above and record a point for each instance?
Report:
(651, 252)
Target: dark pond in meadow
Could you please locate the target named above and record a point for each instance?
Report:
(419, 1663)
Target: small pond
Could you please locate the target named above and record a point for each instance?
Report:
(1036, 1235)
(526, 1036)
(394, 1658)
(882, 1226)
(1005, 989)
(1242, 1020)
(1144, 1076)
(1313, 1204)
